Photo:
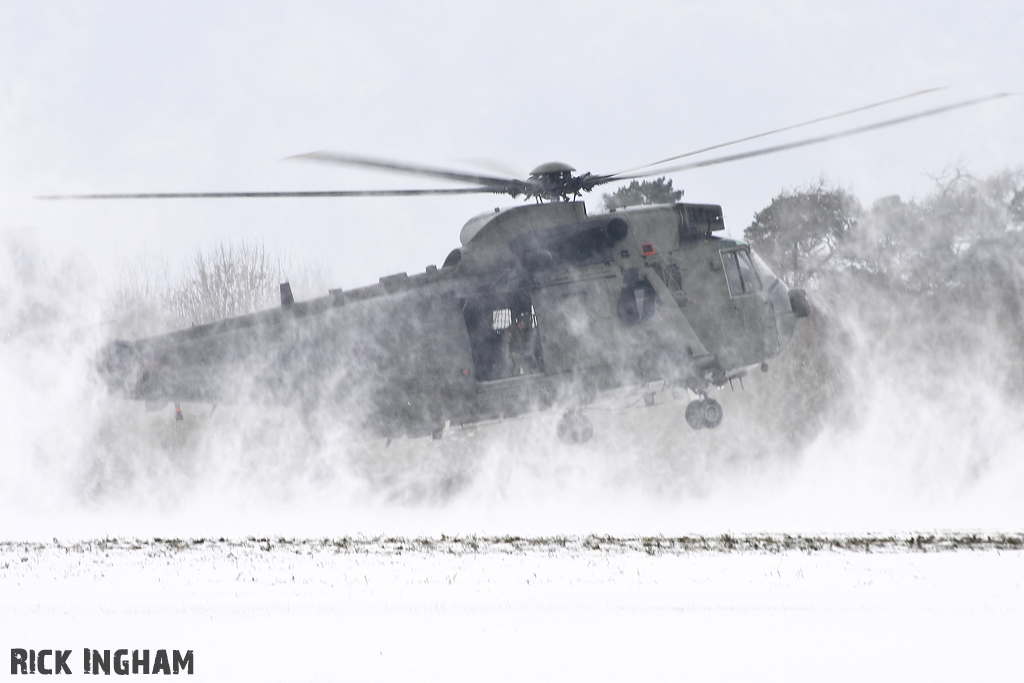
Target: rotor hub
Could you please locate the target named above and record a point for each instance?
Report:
(551, 168)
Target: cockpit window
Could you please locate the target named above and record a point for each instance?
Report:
(740, 272)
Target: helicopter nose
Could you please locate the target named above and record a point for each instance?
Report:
(798, 303)
(787, 304)
(780, 297)
(790, 305)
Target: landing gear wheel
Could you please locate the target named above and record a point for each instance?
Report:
(706, 412)
(712, 413)
(575, 427)
(694, 416)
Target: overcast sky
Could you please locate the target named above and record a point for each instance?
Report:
(208, 96)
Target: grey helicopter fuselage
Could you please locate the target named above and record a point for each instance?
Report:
(541, 306)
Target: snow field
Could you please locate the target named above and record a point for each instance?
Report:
(548, 609)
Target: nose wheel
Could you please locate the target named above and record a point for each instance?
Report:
(575, 427)
(705, 412)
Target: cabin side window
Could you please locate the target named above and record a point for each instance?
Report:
(503, 336)
(638, 303)
(674, 278)
(646, 300)
(740, 272)
(672, 275)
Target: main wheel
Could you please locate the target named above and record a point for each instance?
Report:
(711, 413)
(695, 414)
(575, 427)
(703, 413)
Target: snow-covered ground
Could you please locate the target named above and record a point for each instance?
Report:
(578, 608)
(917, 448)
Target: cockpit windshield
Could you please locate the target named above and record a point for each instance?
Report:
(740, 272)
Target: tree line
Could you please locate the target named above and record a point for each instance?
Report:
(926, 291)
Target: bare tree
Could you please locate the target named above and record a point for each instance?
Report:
(136, 303)
(227, 281)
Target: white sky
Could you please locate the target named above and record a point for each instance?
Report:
(200, 96)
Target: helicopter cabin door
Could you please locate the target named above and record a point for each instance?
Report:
(576, 325)
(504, 336)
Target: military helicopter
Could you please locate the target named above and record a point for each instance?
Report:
(542, 306)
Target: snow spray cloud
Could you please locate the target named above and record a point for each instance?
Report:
(48, 323)
(897, 406)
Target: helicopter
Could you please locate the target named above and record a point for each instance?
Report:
(541, 306)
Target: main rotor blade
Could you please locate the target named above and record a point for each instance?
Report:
(493, 165)
(784, 129)
(805, 142)
(261, 195)
(402, 167)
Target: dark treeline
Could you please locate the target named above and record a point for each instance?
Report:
(929, 292)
